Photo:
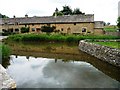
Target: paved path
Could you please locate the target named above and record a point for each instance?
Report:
(5, 80)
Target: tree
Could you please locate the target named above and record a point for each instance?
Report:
(47, 29)
(24, 29)
(77, 11)
(118, 22)
(108, 23)
(3, 16)
(67, 10)
(57, 13)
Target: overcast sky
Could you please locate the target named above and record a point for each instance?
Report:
(104, 10)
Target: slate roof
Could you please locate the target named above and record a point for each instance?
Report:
(50, 19)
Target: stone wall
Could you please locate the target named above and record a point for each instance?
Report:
(5, 80)
(104, 53)
(112, 33)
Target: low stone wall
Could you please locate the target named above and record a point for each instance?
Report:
(104, 53)
(5, 80)
(112, 33)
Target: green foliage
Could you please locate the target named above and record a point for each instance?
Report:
(77, 11)
(24, 29)
(5, 51)
(67, 11)
(109, 44)
(47, 29)
(57, 13)
(110, 28)
(118, 22)
(3, 16)
(57, 37)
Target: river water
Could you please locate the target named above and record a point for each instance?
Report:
(58, 65)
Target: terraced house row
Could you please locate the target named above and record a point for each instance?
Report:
(74, 24)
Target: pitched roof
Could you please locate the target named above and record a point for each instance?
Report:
(50, 19)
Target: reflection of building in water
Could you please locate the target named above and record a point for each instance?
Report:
(118, 8)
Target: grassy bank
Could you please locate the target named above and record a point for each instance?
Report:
(5, 51)
(56, 37)
(110, 44)
(111, 28)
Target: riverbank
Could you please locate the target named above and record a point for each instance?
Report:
(56, 37)
(107, 54)
(5, 80)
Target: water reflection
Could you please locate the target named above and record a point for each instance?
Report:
(60, 53)
(55, 73)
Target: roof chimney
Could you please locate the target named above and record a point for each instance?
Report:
(14, 16)
(26, 16)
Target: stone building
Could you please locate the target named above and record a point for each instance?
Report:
(75, 24)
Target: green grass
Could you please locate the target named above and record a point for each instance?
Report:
(5, 51)
(110, 28)
(56, 37)
(110, 44)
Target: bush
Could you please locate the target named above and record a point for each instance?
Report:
(24, 29)
(5, 51)
(57, 37)
(47, 29)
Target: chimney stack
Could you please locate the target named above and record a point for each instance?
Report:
(26, 16)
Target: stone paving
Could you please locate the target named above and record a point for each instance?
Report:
(5, 80)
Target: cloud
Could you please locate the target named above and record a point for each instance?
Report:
(106, 10)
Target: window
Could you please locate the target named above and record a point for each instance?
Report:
(74, 23)
(16, 30)
(32, 24)
(33, 29)
(25, 25)
(48, 24)
(83, 29)
(61, 29)
(16, 23)
(6, 23)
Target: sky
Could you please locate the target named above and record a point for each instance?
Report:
(103, 10)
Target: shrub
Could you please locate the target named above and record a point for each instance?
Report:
(47, 29)
(24, 29)
(5, 51)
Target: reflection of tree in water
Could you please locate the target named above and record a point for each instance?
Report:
(49, 49)
(5, 62)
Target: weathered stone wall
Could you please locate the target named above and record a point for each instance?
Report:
(112, 33)
(98, 31)
(5, 80)
(104, 53)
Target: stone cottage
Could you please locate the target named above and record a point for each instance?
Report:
(75, 24)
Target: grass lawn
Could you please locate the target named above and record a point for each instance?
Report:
(110, 44)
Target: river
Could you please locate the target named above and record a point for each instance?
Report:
(58, 65)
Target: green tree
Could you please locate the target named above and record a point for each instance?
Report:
(3, 16)
(24, 29)
(67, 10)
(118, 22)
(47, 29)
(77, 11)
(57, 13)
